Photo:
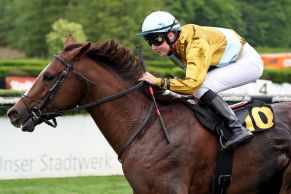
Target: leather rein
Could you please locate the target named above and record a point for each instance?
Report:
(38, 116)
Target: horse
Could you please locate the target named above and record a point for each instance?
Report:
(103, 77)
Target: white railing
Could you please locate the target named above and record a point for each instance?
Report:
(75, 148)
(261, 89)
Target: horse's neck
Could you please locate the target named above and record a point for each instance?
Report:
(118, 118)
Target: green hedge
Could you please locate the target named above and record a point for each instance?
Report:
(10, 93)
(23, 62)
(277, 76)
(32, 67)
(21, 67)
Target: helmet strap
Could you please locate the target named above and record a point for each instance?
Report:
(176, 36)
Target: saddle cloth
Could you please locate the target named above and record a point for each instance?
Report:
(256, 116)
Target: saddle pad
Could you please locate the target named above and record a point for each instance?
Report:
(256, 116)
(260, 116)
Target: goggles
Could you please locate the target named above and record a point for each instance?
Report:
(155, 40)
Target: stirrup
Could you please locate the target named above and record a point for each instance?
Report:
(235, 143)
(222, 141)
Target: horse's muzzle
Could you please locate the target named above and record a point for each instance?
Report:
(23, 121)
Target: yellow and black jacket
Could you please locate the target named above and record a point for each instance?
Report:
(200, 47)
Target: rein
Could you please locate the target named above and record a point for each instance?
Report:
(95, 103)
(37, 115)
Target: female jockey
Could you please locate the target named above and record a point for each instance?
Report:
(215, 59)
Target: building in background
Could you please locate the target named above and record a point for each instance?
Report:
(277, 60)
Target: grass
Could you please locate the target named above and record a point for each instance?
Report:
(76, 185)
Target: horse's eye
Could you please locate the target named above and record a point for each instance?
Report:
(47, 77)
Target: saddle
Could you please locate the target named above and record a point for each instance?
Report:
(255, 115)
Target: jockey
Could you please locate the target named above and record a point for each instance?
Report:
(215, 59)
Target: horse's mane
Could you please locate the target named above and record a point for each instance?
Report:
(119, 58)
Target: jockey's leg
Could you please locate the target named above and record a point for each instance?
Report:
(247, 69)
(239, 133)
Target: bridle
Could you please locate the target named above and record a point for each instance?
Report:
(36, 111)
(38, 116)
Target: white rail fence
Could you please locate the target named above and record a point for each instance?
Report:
(75, 148)
(261, 89)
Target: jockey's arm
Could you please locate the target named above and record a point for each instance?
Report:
(198, 62)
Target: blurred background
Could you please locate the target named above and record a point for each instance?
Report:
(32, 32)
(32, 26)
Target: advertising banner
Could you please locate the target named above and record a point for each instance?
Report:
(75, 148)
(19, 83)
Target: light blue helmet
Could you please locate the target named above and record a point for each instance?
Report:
(159, 21)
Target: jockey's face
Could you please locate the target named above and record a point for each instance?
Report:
(160, 45)
(162, 49)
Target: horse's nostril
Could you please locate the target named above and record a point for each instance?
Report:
(13, 114)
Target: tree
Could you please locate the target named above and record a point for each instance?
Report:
(116, 19)
(29, 22)
(60, 29)
(24, 24)
(5, 26)
(221, 13)
(268, 22)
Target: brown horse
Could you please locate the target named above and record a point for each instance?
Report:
(85, 73)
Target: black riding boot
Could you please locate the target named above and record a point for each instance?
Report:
(239, 133)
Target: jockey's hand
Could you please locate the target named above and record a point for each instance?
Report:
(148, 77)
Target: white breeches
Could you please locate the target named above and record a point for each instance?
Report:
(248, 68)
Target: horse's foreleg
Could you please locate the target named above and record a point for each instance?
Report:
(286, 184)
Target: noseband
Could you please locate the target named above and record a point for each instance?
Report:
(36, 112)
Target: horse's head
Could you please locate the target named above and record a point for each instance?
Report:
(57, 87)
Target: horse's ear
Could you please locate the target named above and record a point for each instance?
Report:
(83, 50)
(69, 40)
